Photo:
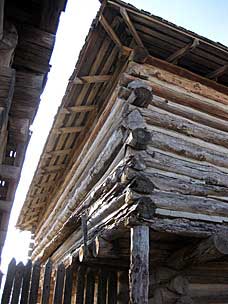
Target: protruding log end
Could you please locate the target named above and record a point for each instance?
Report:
(141, 95)
(139, 54)
(139, 138)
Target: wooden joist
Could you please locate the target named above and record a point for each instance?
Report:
(91, 79)
(53, 168)
(110, 31)
(217, 73)
(182, 52)
(68, 130)
(131, 27)
(9, 172)
(78, 109)
(56, 153)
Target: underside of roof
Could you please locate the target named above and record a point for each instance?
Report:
(118, 29)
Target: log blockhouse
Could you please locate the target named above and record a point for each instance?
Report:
(27, 36)
(132, 185)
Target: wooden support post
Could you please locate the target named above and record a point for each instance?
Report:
(112, 287)
(59, 284)
(80, 285)
(34, 283)
(139, 267)
(102, 287)
(17, 283)
(47, 283)
(9, 282)
(90, 287)
(68, 285)
(26, 283)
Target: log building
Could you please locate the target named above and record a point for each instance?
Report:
(27, 36)
(131, 189)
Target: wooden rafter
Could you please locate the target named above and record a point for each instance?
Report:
(68, 130)
(56, 153)
(5, 205)
(78, 109)
(91, 79)
(217, 73)
(53, 168)
(182, 52)
(110, 31)
(9, 172)
(130, 26)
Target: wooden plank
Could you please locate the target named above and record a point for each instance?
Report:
(112, 288)
(102, 287)
(33, 295)
(58, 295)
(110, 31)
(139, 265)
(80, 285)
(17, 283)
(26, 283)
(217, 73)
(68, 130)
(78, 109)
(182, 52)
(47, 283)
(9, 282)
(130, 26)
(90, 287)
(56, 153)
(91, 79)
(68, 285)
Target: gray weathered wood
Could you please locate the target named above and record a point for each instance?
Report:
(139, 266)
(68, 285)
(17, 283)
(90, 287)
(58, 294)
(26, 283)
(80, 285)
(9, 282)
(33, 295)
(47, 283)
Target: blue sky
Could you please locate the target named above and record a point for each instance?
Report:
(205, 17)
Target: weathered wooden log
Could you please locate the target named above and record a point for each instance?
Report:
(188, 149)
(104, 248)
(178, 95)
(8, 43)
(2, 4)
(139, 265)
(184, 126)
(171, 163)
(141, 94)
(210, 249)
(186, 112)
(217, 209)
(139, 138)
(139, 54)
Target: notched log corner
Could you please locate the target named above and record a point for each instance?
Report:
(139, 138)
(141, 95)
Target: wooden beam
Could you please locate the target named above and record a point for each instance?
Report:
(182, 52)
(91, 79)
(6, 205)
(139, 265)
(68, 130)
(2, 2)
(217, 73)
(130, 26)
(56, 153)
(54, 168)
(210, 249)
(110, 31)
(78, 109)
(9, 172)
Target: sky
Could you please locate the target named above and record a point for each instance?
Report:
(205, 17)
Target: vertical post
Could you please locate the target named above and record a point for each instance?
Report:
(112, 287)
(90, 286)
(68, 285)
(1, 17)
(26, 283)
(139, 265)
(59, 284)
(9, 282)
(47, 283)
(123, 288)
(80, 285)
(33, 295)
(17, 283)
(102, 287)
